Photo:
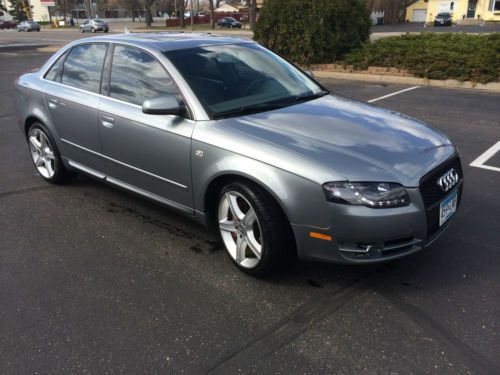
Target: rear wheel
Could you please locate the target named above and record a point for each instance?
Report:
(93, 30)
(81, 30)
(45, 155)
(254, 230)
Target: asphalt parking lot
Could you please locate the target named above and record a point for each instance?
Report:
(96, 280)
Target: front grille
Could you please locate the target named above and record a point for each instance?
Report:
(431, 193)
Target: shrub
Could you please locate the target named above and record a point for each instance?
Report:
(464, 57)
(313, 31)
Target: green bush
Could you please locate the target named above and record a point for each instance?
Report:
(464, 57)
(313, 31)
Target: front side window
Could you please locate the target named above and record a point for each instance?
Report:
(83, 67)
(231, 80)
(136, 75)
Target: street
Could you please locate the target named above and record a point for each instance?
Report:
(97, 280)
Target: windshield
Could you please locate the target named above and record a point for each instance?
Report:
(443, 15)
(231, 80)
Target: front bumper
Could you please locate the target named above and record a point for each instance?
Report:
(360, 234)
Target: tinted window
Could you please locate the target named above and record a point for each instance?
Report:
(136, 75)
(54, 73)
(83, 67)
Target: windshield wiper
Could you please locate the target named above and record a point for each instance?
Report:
(305, 97)
(261, 107)
(246, 110)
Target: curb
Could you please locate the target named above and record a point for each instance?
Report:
(449, 83)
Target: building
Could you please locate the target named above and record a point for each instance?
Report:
(462, 11)
(417, 12)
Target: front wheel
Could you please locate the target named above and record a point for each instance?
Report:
(81, 30)
(45, 155)
(93, 30)
(253, 228)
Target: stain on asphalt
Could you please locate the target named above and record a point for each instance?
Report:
(212, 245)
(26, 190)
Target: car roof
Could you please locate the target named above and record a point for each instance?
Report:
(170, 41)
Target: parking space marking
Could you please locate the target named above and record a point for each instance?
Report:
(485, 156)
(393, 94)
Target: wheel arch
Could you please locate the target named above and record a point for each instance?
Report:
(217, 183)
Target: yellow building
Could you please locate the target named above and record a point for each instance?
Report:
(417, 12)
(462, 11)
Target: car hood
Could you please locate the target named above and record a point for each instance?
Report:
(334, 138)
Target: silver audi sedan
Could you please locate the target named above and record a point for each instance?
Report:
(230, 134)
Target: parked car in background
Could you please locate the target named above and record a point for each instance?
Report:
(229, 133)
(443, 19)
(28, 26)
(8, 24)
(94, 26)
(229, 22)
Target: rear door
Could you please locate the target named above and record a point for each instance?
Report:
(146, 153)
(72, 97)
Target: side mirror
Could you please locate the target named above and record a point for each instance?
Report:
(163, 105)
(310, 74)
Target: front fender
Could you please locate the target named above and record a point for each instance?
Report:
(302, 200)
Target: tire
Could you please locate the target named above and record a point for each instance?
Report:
(38, 31)
(106, 31)
(93, 30)
(81, 30)
(257, 244)
(46, 156)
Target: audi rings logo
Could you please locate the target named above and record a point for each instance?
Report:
(448, 180)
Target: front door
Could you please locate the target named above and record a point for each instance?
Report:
(471, 9)
(150, 154)
(72, 101)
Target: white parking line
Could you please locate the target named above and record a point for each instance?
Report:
(483, 158)
(394, 93)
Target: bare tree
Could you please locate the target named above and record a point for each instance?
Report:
(252, 5)
(211, 7)
(148, 18)
(65, 7)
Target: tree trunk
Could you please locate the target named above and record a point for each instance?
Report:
(253, 13)
(182, 10)
(212, 21)
(192, 15)
(147, 13)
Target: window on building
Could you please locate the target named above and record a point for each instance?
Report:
(496, 6)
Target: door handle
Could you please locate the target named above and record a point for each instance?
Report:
(107, 121)
(52, 103)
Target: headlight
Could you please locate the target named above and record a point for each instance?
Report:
(369, 194)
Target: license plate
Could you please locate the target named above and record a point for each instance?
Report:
(447, 208)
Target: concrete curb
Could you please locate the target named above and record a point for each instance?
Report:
(449, 83)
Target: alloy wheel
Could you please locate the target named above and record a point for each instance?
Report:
(42, 153)
(240, 229)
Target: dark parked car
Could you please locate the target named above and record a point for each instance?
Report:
(229, 22)
(8, 24)
(443, 19)
(28, 26)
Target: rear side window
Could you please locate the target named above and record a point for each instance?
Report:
(54, 73)
(83, 67)
(136, 75)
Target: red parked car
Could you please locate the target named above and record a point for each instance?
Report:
(8, 24)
